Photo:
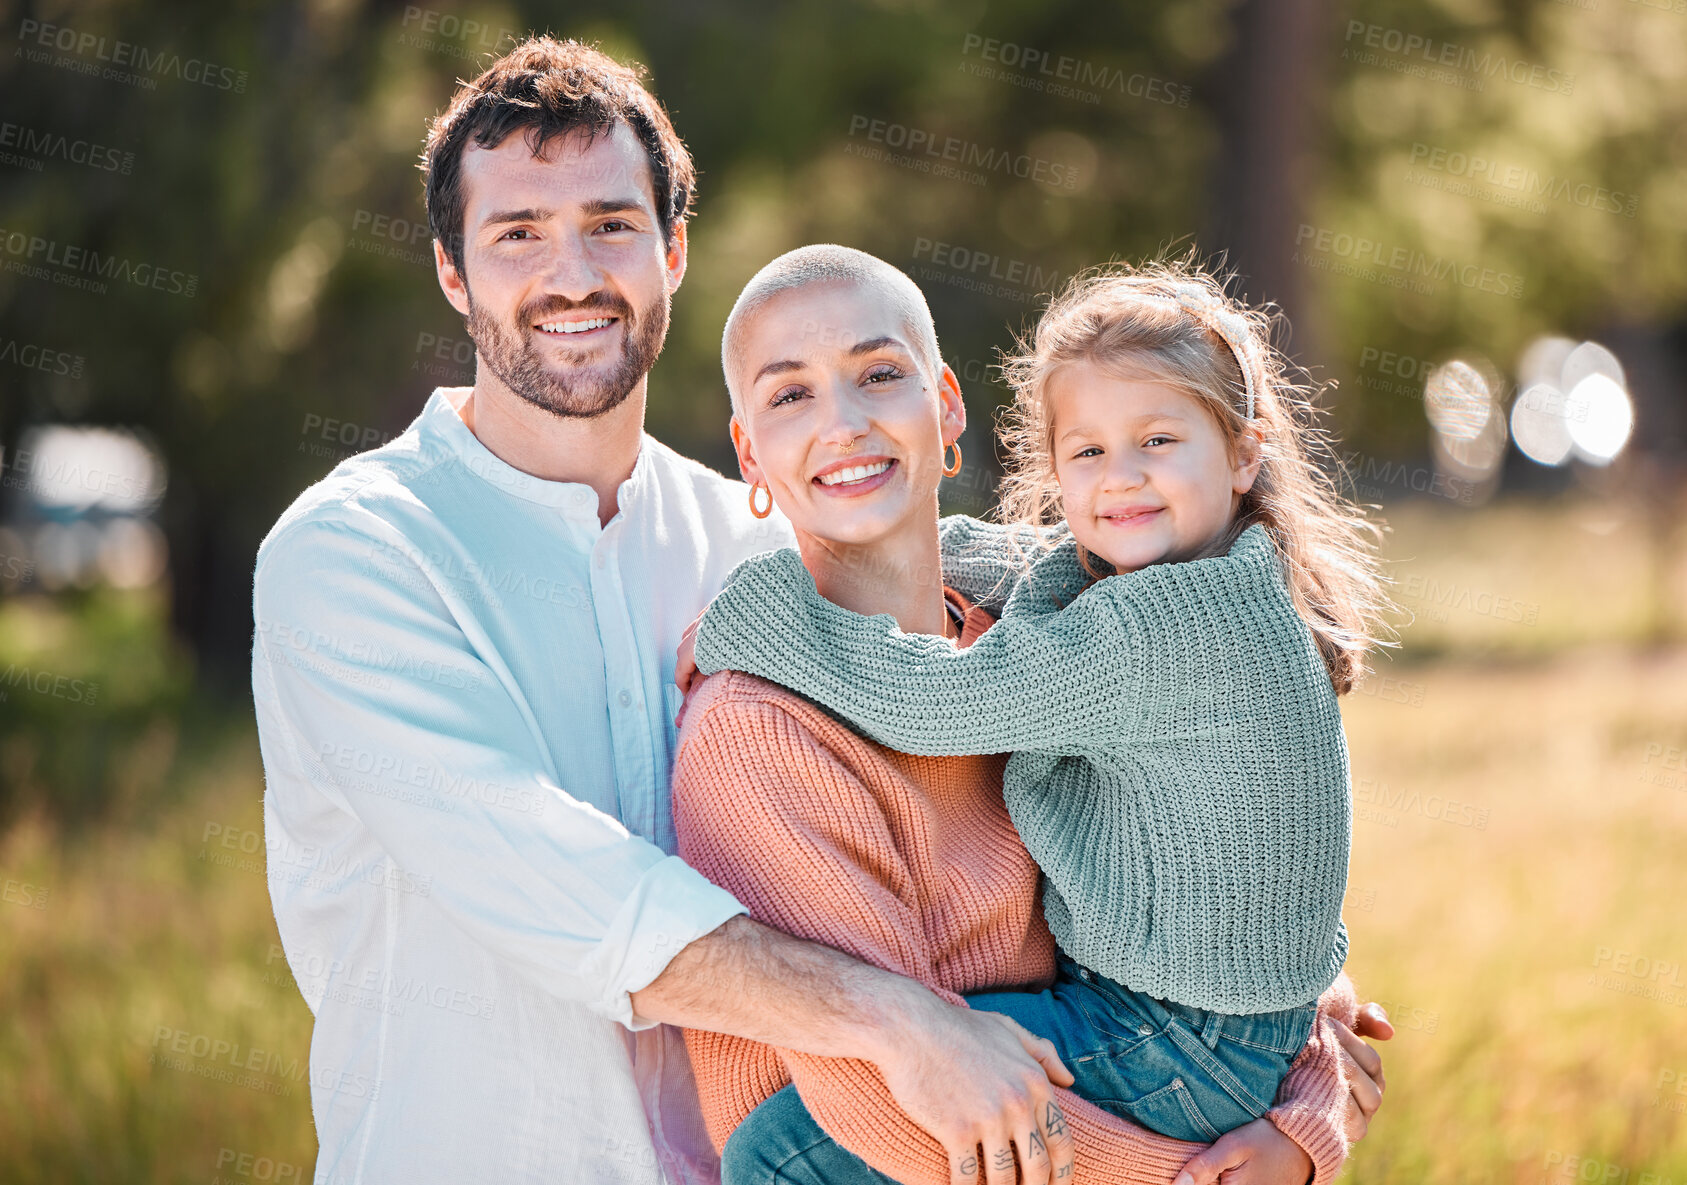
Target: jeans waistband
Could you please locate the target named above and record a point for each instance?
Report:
(1282, 1031)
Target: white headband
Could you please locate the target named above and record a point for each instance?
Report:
(1200, 303)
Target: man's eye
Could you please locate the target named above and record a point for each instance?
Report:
(614, 225)
(520, 230)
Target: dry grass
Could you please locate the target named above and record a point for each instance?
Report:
(139, 933)
(1505, 933)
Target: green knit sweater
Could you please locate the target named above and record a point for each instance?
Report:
(1179, 770)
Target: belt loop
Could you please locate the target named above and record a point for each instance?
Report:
(1210, 1030)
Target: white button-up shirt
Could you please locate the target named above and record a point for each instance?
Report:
(465, 702)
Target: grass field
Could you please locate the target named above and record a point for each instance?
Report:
(1518, 895)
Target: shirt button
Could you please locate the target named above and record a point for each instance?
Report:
(626, 698)
(1085, 975)
(1144, 1031)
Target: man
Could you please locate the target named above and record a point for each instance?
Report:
(463, 677)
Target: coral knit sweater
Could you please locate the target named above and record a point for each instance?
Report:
(911, 864)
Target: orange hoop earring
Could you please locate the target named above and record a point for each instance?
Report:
(951, 470)
(760, 513)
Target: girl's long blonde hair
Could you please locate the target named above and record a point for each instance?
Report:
(1172, 322)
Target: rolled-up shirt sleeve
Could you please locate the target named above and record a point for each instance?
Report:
(374, 698)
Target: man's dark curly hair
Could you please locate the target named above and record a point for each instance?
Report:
(546, 88)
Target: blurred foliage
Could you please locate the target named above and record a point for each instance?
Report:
(1584, 194)
(94, 697)
(290, 198)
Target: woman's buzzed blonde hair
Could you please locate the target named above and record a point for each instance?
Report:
(827, 263)
(1171, 322)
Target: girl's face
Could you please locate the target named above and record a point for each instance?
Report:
(839, 418)
(1144, 472)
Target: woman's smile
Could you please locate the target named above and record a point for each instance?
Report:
(856, 476)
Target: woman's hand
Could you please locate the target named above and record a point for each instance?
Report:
(1254, 1154)
(1363, 1066)
(1258, 1154)
(685, 663)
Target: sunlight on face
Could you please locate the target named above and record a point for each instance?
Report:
(838, 416)
(1145, 475)
(568, 276)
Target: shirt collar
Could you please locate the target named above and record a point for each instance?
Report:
(441, 423)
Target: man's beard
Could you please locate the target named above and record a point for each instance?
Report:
(566, 388)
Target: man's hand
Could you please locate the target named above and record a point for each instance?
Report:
(975, 1080)
(979, 1083)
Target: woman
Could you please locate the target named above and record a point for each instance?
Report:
(843, 415)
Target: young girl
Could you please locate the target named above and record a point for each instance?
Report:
(1165, 674)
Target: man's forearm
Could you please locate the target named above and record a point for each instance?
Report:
(969, 1079)
(756, 982)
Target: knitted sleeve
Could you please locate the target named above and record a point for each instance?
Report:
(765, 808)
(1051, 681)
(985, 561)
(1312, 1100)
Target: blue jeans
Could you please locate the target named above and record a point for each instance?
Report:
(1177, 1070)
(779, 1142)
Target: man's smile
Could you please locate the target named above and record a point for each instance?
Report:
(576, 325)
